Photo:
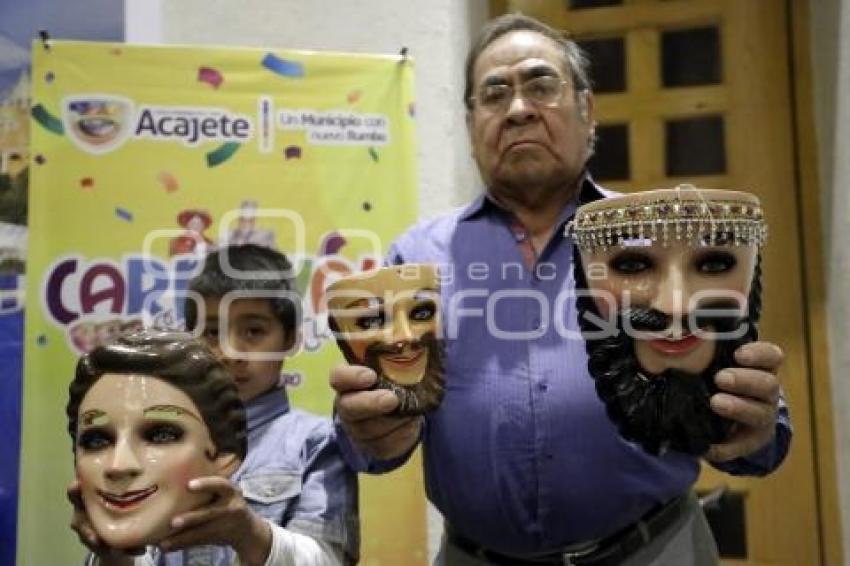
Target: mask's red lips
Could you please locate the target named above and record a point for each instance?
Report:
(127, 499)
(671, 347)
(408, 360)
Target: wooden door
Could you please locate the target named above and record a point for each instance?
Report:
(699, 91)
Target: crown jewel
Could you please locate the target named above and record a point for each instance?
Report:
(685, 214)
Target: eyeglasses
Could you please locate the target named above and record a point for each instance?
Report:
(542, 91)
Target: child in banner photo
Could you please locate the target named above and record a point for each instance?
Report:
(244, 305)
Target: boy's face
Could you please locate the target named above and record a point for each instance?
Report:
(254, 334)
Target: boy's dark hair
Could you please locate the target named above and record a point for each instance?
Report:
(246, 264)
(180, 361)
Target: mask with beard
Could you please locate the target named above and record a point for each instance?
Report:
(389, 320)
(669, 286)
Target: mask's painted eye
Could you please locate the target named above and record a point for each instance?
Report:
(631, 263)
(94, 439)
(373, 322)
(715, 262)
(162, 433)
(423, 311)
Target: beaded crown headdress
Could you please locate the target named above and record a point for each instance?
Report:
(684, 213)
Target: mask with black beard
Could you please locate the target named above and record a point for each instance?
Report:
(388, 320)
(670, 410)
(667, 409)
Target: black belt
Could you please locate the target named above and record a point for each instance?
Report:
(609, 551)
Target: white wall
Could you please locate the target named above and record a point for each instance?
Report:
(831, 65)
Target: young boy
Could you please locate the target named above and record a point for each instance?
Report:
(293, 475)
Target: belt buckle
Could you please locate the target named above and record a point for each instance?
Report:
(568, 558)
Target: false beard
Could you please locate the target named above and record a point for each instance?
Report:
(419, 398)
(670, 411)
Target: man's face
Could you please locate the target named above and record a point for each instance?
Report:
(139, 442)
(686, 284)
(253, 346)
(527, 143)
(390, 312)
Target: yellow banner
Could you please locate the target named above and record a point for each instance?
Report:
(143, 159)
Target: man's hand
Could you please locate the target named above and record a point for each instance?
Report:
(749, 397)
(81, 525)
(226, 520)
(363, 413)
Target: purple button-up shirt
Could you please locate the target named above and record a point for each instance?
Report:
(520, 456)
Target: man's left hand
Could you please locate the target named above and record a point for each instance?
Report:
(749, 397)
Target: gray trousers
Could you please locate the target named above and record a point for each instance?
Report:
(687, 542)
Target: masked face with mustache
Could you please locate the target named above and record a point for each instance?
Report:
(668, 303)
(389, 320)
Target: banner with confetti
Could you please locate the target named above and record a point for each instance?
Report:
(145, 158)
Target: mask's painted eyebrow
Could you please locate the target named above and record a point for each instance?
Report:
(94, 417)
(169, 412)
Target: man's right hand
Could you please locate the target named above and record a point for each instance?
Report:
(364, 414)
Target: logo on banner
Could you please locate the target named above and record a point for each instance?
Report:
(97, 123)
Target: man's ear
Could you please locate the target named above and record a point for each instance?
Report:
(227, 464)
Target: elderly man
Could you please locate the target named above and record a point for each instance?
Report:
(520, 458)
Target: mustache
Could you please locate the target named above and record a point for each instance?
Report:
(647, 319)
(424, 396)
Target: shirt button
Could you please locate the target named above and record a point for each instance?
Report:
(542, 387)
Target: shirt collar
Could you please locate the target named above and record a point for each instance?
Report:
(266, 407)
(589, 192)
